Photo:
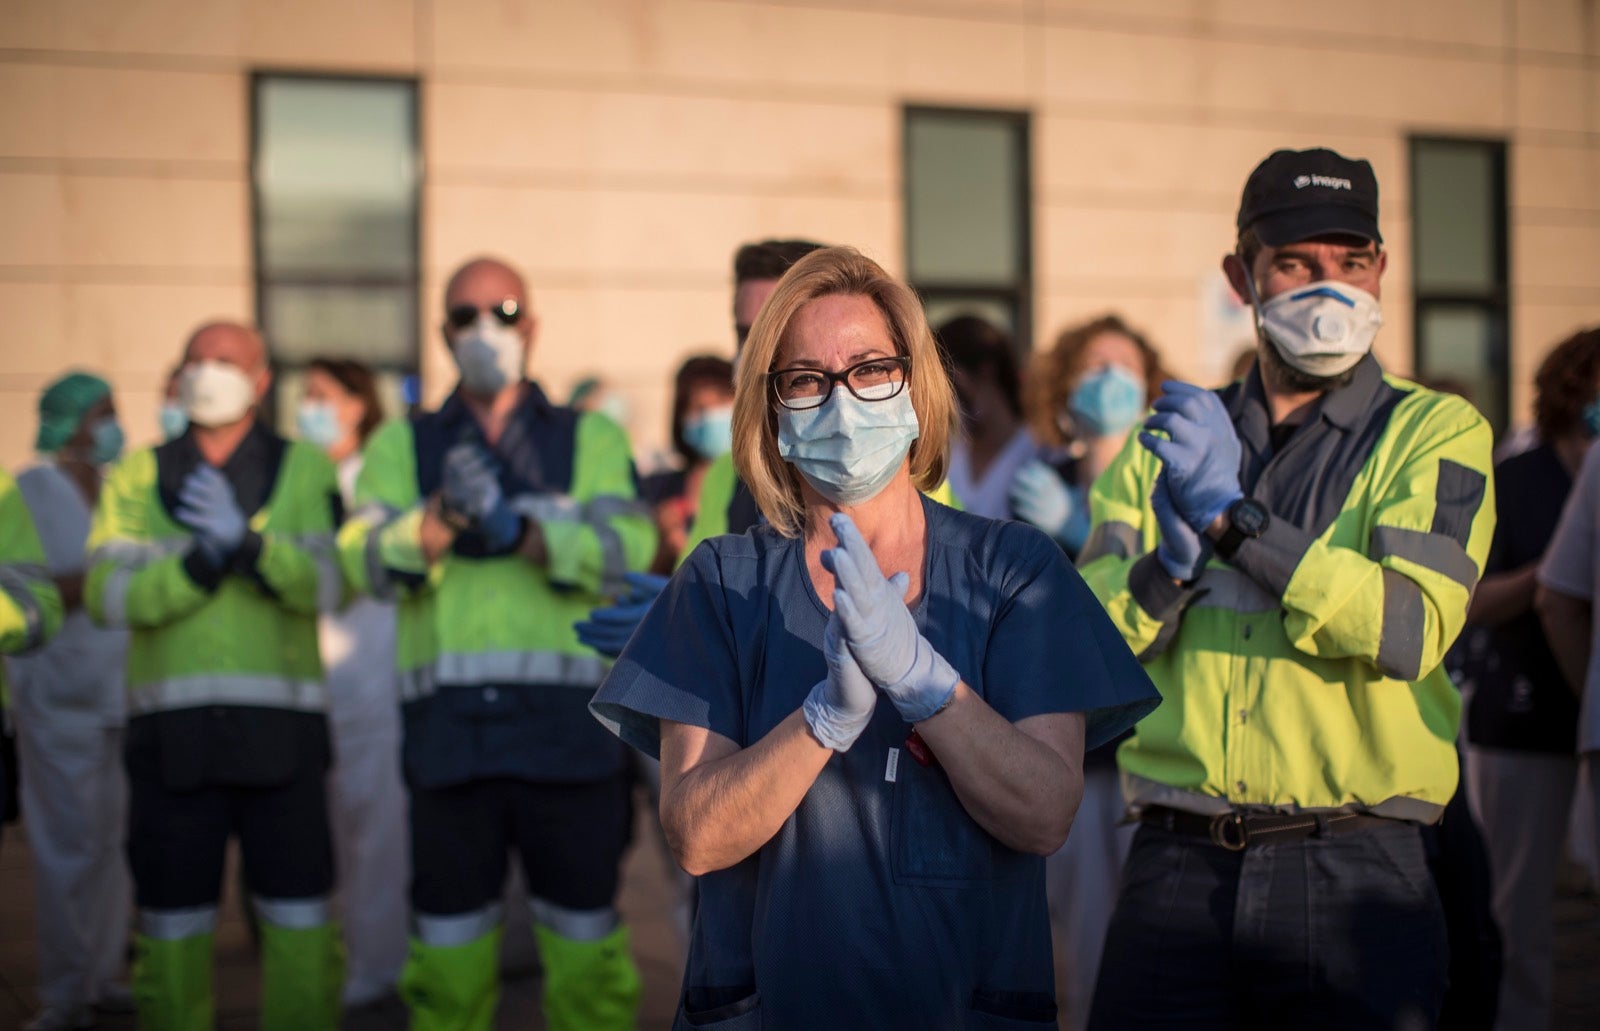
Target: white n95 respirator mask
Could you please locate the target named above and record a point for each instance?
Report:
(1321, 329)
(489, 355)
(216, 393)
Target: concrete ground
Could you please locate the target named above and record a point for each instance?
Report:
(656, 948)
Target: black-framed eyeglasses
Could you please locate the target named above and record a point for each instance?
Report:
(876, 379)
(461, 316)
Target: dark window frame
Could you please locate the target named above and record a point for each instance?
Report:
(263, 282)
(1018, 297)
(1495, 302)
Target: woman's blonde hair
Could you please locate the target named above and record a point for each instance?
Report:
(831, 271)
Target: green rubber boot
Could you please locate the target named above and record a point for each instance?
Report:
(588, 986)
(453, 987)
(172, 983)
(302, 974)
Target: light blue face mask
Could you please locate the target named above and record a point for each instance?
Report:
(1107, 402)
(318, 424)
(1591, 418)
(849, 449)
(174, 420)
(710, 434)
(107, 440)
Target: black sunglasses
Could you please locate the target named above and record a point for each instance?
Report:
(507, 311)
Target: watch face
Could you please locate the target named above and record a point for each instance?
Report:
(1250, 517)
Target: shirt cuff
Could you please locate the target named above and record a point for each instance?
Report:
(1271, 559)
(1562, 580)
(1153, 588)
(199, 569)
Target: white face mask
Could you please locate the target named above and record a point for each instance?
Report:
(489, 355)
(1321, 329)
(216, 393)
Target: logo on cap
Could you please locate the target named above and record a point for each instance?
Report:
(1332, 183)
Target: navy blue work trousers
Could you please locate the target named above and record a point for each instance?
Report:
(1325, 932)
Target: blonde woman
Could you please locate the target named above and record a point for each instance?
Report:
(870, 713)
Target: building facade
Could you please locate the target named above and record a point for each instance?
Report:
(321, 166)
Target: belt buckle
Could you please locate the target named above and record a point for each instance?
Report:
(1228, 831)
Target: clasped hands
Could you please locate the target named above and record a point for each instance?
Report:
(207, 506)
(871, 644)
(1199, 475)
(471, 490)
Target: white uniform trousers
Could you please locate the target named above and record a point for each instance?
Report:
(1082, 880)
(74, 806)
(1523, 800)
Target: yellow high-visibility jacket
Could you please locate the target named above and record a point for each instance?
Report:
(1306, 672)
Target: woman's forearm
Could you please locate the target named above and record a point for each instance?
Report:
(1018, 787)
(719, 811)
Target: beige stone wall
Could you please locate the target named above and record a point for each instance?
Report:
(619, 149)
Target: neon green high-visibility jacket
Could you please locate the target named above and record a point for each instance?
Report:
(494, 681)
(241, 636)
(30, 605)
(1306, 672)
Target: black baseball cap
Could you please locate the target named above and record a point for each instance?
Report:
(1298, 194)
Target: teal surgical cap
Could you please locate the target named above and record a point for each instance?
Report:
(63, 405)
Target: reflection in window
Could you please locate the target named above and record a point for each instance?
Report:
(968, 244)
(1458, 190)
(335, 188)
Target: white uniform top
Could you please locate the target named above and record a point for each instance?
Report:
(78, 677)
(990, 494)
(358, 653)
(1572, 566)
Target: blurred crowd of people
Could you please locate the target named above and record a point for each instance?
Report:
(368, 648)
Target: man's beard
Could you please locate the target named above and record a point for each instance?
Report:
(1287, 379)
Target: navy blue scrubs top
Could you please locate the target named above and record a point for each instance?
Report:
(880, 903)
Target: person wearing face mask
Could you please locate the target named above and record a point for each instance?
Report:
(215, 551)
(171, 417)
(702, 432)
(1523, 721)
(869, 721)
(1291, 556)
(69, 712)
(338, 413)
(495, 523)
(1085, 394)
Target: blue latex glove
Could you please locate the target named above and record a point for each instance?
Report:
(1040, 496)
(471, 482)
(880, 630)
(608, 628)
(1200, 454)
(839, 708)
(207, 506)
(472, 487)
(1182, 552)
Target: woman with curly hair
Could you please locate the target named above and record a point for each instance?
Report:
(1522, 720)
(1083, 397)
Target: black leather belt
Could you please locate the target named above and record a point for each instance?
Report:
(1236, 831)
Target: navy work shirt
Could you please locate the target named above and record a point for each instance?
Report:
(880, 902)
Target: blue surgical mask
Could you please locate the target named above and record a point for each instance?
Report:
(849, 449)
(108, 440)
(1591, 417)
(318, 424)
(710, 434)
(1107, 402)
(174, 420)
